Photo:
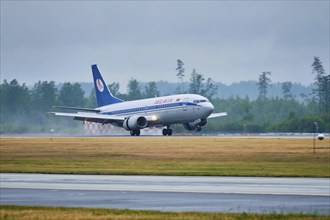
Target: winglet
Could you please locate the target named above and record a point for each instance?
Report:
(103, 94)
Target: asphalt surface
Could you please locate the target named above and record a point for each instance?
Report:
(188, 135)
(177, 194)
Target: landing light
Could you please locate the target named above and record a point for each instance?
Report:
(154, 118)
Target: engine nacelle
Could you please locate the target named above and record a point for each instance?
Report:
(191, 126)
(196, 125)
(135, 123)
(203, 123)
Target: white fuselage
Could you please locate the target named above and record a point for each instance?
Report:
(166, 110)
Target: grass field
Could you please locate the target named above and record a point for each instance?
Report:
(167, 156)
(26, 213)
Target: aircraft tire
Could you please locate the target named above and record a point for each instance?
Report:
(164, 131)
(135, 132)
(167, 131)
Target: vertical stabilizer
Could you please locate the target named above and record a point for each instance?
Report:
(103, 94)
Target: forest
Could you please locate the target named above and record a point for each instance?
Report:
(24, 109)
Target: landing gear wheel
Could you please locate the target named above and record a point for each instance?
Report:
(167, 131)
(164, 131)
(198, 129)
(135, 132)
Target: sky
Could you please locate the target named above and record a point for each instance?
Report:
(229, 41)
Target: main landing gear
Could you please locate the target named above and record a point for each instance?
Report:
(167, 131)
(135, 132)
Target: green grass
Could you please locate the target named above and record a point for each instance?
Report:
(166, 156)
(160, 156)
(45, 213)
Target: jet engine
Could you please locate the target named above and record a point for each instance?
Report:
(191, 126)
(135, 123)
(203, 123)
(196, 125)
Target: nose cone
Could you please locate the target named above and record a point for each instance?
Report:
(211, 107)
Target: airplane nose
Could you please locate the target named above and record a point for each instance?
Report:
(210, 108)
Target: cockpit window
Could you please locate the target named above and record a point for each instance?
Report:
(199, 101)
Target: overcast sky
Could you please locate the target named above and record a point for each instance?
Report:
(228, 41)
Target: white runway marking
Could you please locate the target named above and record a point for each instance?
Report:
(239, 185)
(174, 194)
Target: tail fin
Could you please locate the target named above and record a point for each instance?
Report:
(103, 94)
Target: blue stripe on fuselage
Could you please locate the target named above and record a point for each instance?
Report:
(161, 107)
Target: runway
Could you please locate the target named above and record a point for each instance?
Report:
(188, 135)
(177, 194)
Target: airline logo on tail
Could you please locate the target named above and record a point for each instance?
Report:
(103, 95)
(99, 85)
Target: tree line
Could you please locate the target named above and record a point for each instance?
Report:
(25, 109)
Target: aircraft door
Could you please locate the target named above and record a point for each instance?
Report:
(184, 104)
(145, 109)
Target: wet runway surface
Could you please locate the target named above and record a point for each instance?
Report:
(202, 194)
(188, 135)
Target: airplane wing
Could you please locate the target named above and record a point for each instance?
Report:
(93, 117)
(78, 109)
(99, 118)
(215, 115)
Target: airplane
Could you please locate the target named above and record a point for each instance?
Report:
(191, 110)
